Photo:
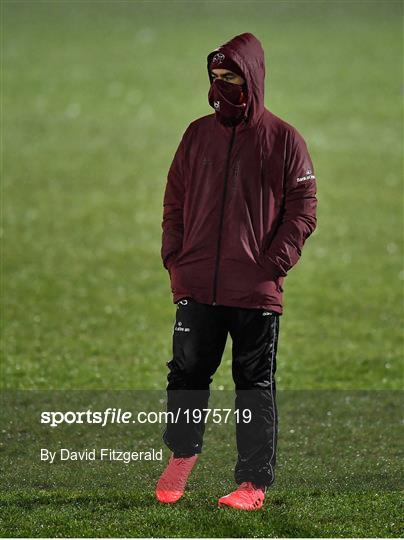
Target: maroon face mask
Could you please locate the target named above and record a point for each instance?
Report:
(228, 99)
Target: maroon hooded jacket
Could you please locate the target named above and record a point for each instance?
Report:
(240, 200)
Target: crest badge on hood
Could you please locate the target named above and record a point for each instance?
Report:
(218, 58)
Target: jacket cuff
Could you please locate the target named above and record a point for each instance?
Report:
(273, 270)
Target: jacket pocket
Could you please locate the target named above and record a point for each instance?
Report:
(278, 285)
(262, 263)
(278, 280)
(171, 261)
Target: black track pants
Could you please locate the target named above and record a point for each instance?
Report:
(199, 340)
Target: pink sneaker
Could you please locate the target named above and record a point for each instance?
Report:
(172, 482)
(246, 497)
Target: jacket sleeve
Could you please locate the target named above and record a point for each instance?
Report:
(172, 224)
(299, 212)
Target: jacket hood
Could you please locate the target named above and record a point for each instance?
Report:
(247, 52)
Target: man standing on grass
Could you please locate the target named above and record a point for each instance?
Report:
(239, 203)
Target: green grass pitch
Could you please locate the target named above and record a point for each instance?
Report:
(95, 97)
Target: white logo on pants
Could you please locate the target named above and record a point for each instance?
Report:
(180, 328)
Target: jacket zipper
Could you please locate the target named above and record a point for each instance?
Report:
(221, 216)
